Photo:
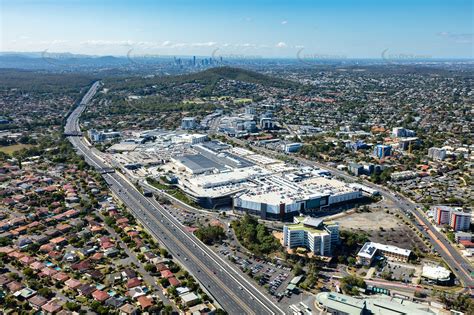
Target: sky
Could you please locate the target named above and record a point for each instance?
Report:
(332, 29)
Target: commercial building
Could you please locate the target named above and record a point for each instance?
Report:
(292, 147)
(193, 138)
(454, 217)
(437, 274)
(250, 110)
(314, 234)
(189, 123)
(237, 126)
(403, 175)
(437, 153)
(214, 174)
(100, 136)
(407, 143)
(364, 169)
(400, 132)
(339, 304)
(365, 189)
(267, 123)
(283, 197)
(462, 236)
(371, 250)
(357, 145)
(381, 151)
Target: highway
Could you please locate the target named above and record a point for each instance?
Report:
(458, 264)
(231, 290)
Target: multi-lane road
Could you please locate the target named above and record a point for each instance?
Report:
(232, 291)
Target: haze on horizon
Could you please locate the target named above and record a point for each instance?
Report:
(262, 28)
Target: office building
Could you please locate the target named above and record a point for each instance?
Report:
(364, 169)
(400, 132)
(100, 136)
(357, 145)
(462, 236)
(267, 123)
(94, 135)
(356, 169)
(381, 151)
(438, 154)
(292, 147)
(250, 110)
(371, 250)
(314, 234)
(189, 123)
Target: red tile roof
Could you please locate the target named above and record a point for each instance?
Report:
(100, 296)
(174, 282)
(166, 273)
(144, 302)
(134, 282)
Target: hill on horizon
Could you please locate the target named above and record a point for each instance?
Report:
(208, 78)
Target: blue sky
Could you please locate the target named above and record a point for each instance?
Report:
(337, 28)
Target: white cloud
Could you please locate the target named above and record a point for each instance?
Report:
(206, 44)
(284, 22)
(99, 42)
(281, 45)
(466, 38)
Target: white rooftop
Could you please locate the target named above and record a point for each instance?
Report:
(435, 272)
(369, 249)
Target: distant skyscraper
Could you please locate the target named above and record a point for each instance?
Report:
(194, 60)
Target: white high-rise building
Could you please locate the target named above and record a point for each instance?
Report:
(188, 123)
(437, 153)
(314, 234)
(400, 132)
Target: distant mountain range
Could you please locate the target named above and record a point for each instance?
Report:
(46, 60)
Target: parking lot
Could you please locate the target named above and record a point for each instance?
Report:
(274, 277)
(398, 272)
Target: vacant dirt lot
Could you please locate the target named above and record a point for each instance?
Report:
(382, 228)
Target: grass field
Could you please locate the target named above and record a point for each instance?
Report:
(9, 149)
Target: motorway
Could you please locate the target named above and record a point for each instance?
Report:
(458, 264)
(228, 287)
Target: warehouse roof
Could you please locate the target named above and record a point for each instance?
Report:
(199, 163)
